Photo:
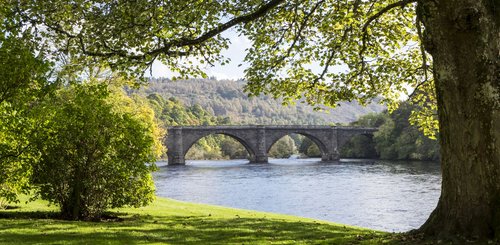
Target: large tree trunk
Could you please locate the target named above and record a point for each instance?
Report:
(463, 37)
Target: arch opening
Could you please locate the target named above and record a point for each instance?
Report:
(218, 146)
(296, 145)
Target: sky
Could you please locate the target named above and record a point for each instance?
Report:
(236, 52)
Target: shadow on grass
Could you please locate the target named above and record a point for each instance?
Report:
(9, 207)
(256, 230)
(29, 215)
(38, 227)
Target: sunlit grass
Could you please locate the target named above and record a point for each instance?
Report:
(172, 222)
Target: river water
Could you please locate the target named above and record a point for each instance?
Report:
(382, 195)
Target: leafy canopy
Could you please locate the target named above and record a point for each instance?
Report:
(23, 83)
(320, 51)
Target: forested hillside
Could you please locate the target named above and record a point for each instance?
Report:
(226, 98)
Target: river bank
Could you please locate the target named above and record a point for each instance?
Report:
(167, 221)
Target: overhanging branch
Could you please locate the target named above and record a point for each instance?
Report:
(166, 48)
(223, 27)
(385, 10)
(377, 15)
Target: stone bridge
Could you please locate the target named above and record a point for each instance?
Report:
(258, 139)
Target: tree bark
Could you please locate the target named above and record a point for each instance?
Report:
(463, 37)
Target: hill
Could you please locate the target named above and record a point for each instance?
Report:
(226, 98)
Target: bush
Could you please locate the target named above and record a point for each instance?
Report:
(97, 151)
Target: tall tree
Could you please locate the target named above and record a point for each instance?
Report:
(448, 51)
(23, 84)
(463, 38)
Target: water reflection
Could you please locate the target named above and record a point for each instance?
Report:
(391, 196)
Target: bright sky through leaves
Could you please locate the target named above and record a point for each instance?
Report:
(236, 52)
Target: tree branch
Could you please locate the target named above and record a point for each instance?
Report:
(298, 33)
(368, 22)
(13, 155)
(377, 15)
(325, 69)
(422, 49)
(385, 10)
(236, 21)
(165, 49)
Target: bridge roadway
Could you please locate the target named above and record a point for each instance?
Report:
(259, 139)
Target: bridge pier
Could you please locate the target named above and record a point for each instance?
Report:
(176, 159)
(331, 153)
(330, 157)
(259, 159)
(260, 147)
(175, 147)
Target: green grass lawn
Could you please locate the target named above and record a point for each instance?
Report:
(174, 222)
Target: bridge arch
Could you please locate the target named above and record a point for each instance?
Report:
(276, 137)
(190, 141)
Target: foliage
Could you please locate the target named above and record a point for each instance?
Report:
(364, 49)
(313, 151)
(216, 147)
(23, 83)
(172, 112)
(233, 149)
(206, 148)
(359, 146)
(97, 151)
(309, 148)
(396, 138)
(283, 148)
(372, 120)
(360, 54)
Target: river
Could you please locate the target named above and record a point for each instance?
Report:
(382, 195)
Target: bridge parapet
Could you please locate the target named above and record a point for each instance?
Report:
(322, 127)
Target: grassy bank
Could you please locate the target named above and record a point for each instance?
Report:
(174, 222)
